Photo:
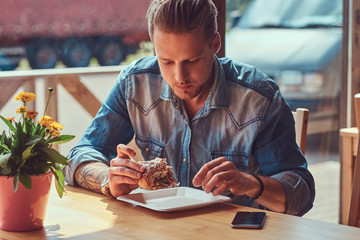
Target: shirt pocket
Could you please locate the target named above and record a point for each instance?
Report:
(239, 159)
(149, 148)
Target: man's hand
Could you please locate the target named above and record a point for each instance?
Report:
(220, 175)
(124, 173)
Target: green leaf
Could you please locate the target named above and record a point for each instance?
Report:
(26, 154)
(59, 189)
(4, 146)
(60, 140)
(28, 125)
(18, 138)
(7, 140)
(37, 130)
(8, 123)
(4, 159)
(16, 182)
(33, 140)
(45, 167)
(55, 156)
(3, 135)
(25, 180)
(4, 143)
(5, 171)
(59, 182)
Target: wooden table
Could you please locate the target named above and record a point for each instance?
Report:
(81, 214)
(349, 138)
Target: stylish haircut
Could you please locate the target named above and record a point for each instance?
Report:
(183, 16)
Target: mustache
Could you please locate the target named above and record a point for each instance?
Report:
(182, 83)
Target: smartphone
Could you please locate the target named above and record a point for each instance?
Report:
(253, 220)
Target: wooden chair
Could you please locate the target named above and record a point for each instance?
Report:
(357, 109)
(354, 211)
(301, 116)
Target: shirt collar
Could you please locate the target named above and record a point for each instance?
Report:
(217, 95)
(167, 93)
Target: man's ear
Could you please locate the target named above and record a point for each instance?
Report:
(216, 44)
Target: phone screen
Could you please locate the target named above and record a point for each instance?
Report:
(249, 220)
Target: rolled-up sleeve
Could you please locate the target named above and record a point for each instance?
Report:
(283, 162)
(299, 192)
(279, 157)
(78, 156)
(110, 127)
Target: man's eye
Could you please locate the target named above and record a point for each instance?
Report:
(193, 60)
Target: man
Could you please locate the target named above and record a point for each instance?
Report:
(223, 126)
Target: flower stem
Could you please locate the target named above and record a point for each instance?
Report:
(23, 113)
(50, 91)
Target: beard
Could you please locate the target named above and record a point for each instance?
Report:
(190, 91)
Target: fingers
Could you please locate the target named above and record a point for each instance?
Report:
(126, 163)
(223, 186)
(217, 180)
(218, 176)
(203, 172)
(124, 172)
(124, 155)
(125, 151)
(123, 169)
(120, 179)
(220, 173)
(210, 169)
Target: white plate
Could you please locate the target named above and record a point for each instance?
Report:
(172, 199)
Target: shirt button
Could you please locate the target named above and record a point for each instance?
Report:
(147, 149)
(184, 159)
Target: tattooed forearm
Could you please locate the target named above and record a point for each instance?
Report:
(91, 174)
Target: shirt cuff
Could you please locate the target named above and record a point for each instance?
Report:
(77, 157)
(298, 195)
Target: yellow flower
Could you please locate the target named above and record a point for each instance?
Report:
(56, 125)
(25, 97)
(55, 128)
(12, 119)
(55, 133)
(45, 121)
(31, 114)
(21, 109)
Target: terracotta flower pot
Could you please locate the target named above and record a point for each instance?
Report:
(25, 209)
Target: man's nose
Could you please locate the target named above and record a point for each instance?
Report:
(180, 73)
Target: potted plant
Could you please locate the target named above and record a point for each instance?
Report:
(27, 164)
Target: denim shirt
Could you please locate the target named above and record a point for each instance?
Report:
(244, 119)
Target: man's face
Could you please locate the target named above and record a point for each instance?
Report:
(185, 62)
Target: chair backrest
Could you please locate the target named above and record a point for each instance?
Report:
(354, 210)
(301, 116)
(357, 109)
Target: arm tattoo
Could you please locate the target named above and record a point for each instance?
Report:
(91, 174)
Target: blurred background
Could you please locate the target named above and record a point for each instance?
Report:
(297, 43)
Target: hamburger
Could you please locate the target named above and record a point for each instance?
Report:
(158, 175)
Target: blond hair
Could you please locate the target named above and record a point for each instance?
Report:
(183, 16)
